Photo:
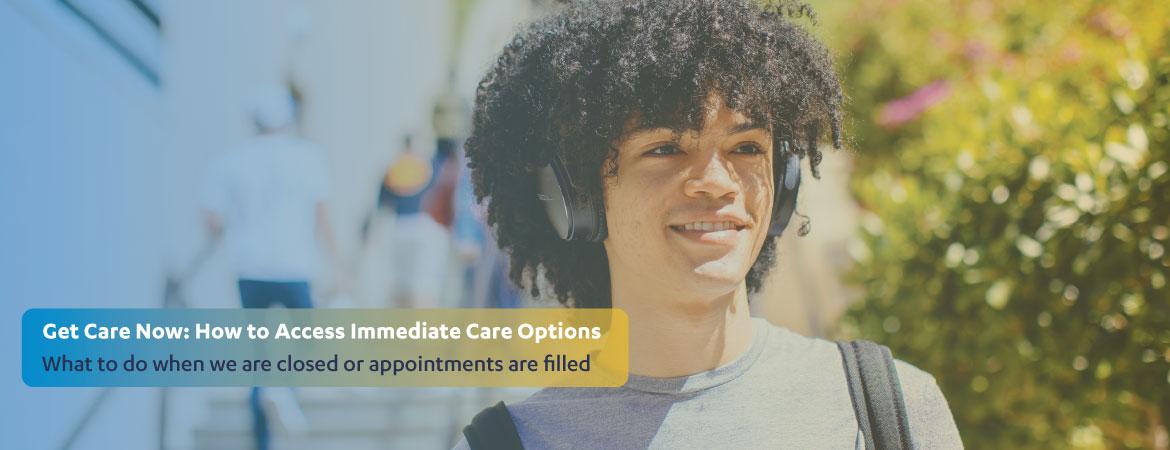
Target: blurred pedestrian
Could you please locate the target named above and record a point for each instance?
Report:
(267, 197)
(403, 228)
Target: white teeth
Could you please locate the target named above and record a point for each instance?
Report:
(708, 226)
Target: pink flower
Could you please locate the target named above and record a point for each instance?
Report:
(976, 51)
(896, 113)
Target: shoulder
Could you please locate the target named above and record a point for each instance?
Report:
(308, 157)
(931, 422)
(304, 147)
(813, 355)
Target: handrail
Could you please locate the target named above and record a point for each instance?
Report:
(94, 406)
(172, 298)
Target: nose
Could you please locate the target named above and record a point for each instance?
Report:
(713, 177)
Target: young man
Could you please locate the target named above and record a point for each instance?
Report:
(676, 130)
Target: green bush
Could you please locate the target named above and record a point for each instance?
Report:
(1012, 163)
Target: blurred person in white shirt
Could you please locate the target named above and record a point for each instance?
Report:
(267, 199)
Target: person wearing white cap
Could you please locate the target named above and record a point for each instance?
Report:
(267, 198)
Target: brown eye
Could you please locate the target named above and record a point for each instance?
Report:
(751, 149)
(663, 150)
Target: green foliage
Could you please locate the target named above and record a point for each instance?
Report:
(1016, 233)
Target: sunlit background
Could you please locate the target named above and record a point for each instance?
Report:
(998, 219)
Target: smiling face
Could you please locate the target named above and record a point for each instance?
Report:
(688, 212)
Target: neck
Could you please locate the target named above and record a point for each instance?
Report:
(672, 336)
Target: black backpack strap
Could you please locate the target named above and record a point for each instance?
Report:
(493, 429)
(877, 395)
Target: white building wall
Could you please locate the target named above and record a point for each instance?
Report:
(80, 151)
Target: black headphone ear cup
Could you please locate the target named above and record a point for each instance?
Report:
(571, 217)
(588, 215)
(786, 191)
(600, 230)
(556, 201)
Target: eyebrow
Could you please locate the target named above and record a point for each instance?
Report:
(746, 126)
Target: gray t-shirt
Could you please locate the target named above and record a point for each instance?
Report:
(785, 391)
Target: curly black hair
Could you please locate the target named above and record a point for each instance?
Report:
(572, 83)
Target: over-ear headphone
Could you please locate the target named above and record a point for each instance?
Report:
(575, 217)
(582, 217)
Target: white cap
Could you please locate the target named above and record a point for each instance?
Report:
(273, 107)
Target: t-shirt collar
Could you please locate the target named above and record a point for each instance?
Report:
(705, 380)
